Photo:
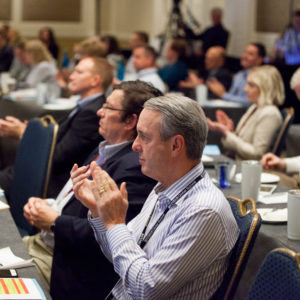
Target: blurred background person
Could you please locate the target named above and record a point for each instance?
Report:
(288, 47)
(43, 67)
(46, 35)
(175, 70)
(289, 165)
(20, 68)
(214, 68)
(253, 56)
(255, 131)
(138, 38)
(6, 52)
(112, 51)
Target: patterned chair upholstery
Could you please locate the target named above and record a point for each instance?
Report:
(249, 222)
(32, 167)
(278, 277)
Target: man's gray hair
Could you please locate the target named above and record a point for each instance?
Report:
(184, 116)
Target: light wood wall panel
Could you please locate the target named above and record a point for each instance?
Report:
(51, 10)
(5, 11)
(272, 15)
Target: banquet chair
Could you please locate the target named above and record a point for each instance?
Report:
(288, 115)
(278, 277)
(249, 222)
(32, 167)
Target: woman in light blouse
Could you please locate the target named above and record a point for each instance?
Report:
(255, 132)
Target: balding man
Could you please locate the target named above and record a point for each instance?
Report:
(214, 68)
(253, 56)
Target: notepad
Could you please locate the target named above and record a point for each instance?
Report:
(10, 261)
(20, 288)
(3, 205)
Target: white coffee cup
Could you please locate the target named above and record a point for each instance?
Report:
(293, 225)
(251, 172)
(201, 94)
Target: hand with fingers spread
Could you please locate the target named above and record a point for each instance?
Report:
(82, 187)
(217, 127)
(216, 87)
(222, 118)
(112, 202)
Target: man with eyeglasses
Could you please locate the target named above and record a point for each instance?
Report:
(78, 265)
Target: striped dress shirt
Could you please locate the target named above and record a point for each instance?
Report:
(188, 253)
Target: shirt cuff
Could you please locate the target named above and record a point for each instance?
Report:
(117, 235)
(96, 224)
(292, 166)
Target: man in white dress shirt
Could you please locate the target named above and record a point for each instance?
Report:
(144, 58)
(182, 251)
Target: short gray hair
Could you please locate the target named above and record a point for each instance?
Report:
(184, 116)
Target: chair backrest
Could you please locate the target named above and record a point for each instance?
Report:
(278, 277)
(249, 222)
(288, 115)
(32, 167)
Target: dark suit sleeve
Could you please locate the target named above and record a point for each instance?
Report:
(74, 231)
(81, 136)
(225, 78)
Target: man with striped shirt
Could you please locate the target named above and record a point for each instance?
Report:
(179, 245)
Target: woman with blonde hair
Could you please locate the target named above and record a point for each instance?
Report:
(42, 63)
(255, 131)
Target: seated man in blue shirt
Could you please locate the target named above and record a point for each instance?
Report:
(179, 244)
(253, 56)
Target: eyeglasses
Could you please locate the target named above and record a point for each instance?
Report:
(105, 106)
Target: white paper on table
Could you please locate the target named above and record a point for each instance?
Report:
(275, 198)
(10, 261)
(3, 205)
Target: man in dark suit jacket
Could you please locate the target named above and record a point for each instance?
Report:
(214, 69)
(78, 132)
(78, 265)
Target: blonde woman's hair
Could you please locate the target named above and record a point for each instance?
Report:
(38, 51)
(270, 84)
(295, 80)
(91, 47)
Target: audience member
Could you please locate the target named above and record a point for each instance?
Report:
(215, 35)
(253, 56)
(78, 265)
(214, 66)
(43, 68)
(13, 37)
(144, 58)
(79, 130)
(176, 69)
(46, 35)
(112, 51)
(138, 38)
(256, 129)
(19, 68)
(90, 47)
(288, 47)
(6, 53)
(189, 249)
(290, 165)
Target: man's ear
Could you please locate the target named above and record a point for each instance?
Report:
(131, 121)
(177, 144)
(96, 80)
